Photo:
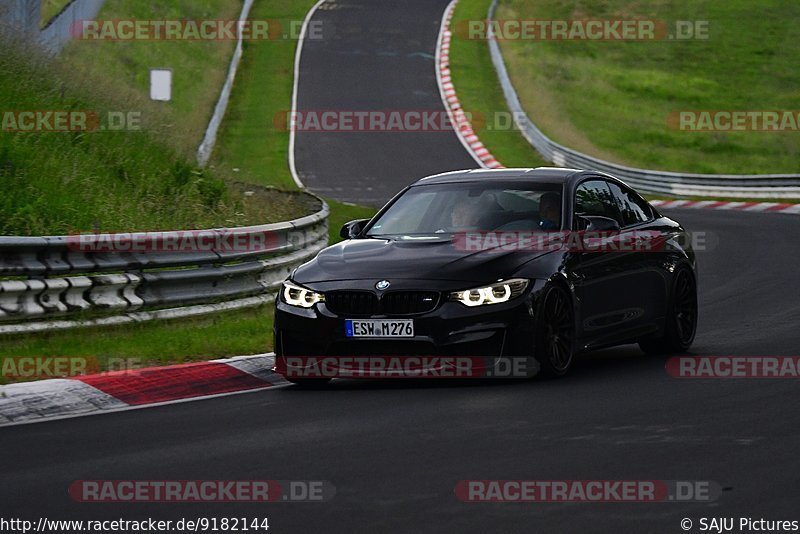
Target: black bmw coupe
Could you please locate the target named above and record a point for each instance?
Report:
(528, 264)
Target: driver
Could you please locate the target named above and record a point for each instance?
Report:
(550, 211)
(465, 215)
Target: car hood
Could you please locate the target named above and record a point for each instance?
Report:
(423, 259)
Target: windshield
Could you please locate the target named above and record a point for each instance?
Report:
(460, 207)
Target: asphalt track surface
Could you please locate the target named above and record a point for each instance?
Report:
(395, 450)
(375, 56)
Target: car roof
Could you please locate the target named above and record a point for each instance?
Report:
(540, 174)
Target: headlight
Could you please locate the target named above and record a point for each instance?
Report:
(295, 295)
(493, 294)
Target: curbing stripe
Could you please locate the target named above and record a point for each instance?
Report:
(259, 366)
(757, 207)
(29, 402)
(61, 398)
(449, 99)
(173, 382)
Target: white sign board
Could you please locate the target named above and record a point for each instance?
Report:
(161, 84)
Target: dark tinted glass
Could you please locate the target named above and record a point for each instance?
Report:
(633, 209)
(593, 197)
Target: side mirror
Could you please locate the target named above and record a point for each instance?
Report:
(352, 228)
(596, 223)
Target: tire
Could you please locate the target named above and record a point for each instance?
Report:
(554, 342)
(681, 322)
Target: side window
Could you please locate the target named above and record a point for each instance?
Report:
(593, 197)
(633, 209)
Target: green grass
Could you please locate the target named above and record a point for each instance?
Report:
(51, 8)
(612, 99)
(198, 67)
(342, 213)
(64, 182)
(154, 343)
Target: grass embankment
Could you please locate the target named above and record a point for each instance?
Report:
(141, 177)
(612, 99)
(198, 67)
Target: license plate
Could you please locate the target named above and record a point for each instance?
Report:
(379, 327)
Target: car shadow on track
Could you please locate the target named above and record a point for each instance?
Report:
(613, 365)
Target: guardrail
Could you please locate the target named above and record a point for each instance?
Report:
(650, 181)
(210, 138)
(90, 275)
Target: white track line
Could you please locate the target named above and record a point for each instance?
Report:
(297, 56)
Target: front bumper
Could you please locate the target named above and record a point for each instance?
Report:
(488, 336)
